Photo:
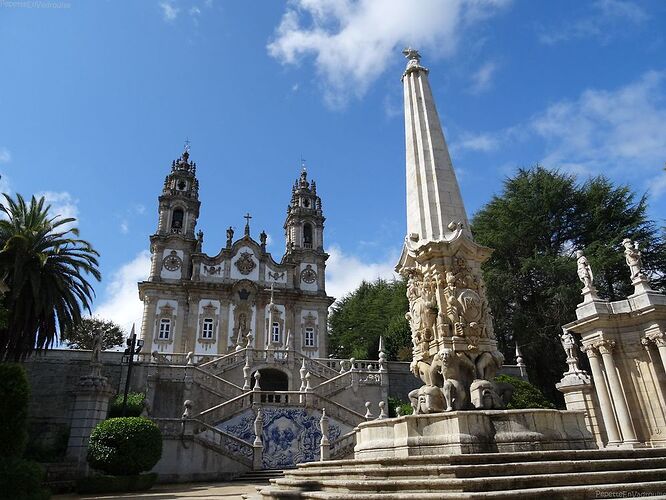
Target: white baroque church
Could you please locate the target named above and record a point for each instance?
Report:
(240, 297)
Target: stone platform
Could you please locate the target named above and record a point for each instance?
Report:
(560, 474)
(464, 432)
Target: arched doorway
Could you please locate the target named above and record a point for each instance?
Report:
(272, 380)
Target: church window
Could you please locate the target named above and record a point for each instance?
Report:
(309, 337)
(275, 332)
(182, 185)
(207, 328)
(165, 329)
(177, 219)
(307, 235)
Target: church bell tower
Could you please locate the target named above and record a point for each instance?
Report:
(304, 227)
(175, 241)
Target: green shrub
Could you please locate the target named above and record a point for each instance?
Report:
(125, 446)
(49, 445)
(14, 395)
(135, 403)
(395, 403)
(525, 395)
(21, 480)
(111, 484)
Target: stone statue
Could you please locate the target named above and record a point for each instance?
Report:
(568, 344)
(200, 236)
(230, 236)
(263, 237)
(487, 364)
(634, 259)
(446, 365)
(96, 351)
(584, 270)
(96, 348)
(484, 395)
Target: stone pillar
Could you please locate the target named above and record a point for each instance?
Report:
(579, 396)
(602, 396)
(660, 342)
(325, 445)
(624, 417)
(91, 406)
(258, 445)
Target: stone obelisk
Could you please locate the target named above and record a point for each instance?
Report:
(454, 349)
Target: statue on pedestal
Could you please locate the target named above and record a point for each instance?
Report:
(633, 257)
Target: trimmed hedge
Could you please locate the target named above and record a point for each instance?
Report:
(21, 480)
(112, 484)
(125, 446)
(14, 394)
(135, 403)
(525, 395)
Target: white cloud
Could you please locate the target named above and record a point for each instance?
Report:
(5, 155)
(352, 41)
(482, 79)
(122, 303)
(608, 18)
(617, 131)
(62, 206)
(485, 142)
(608, 129)
(124, 227)
(344, 272)
(5, 186)
(657, 185)
(169, 10)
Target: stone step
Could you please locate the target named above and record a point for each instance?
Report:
(655, 489)
(260, 475)
(479, 470)
(498, 458)
(420, 484)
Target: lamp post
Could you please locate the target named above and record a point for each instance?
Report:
(133, 347)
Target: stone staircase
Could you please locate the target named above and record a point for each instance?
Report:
(555, 474)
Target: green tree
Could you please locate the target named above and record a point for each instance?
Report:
(358, 320)
(45, 264)
(82, 335)
(534, 227)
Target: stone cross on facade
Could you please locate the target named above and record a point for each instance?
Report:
(247, 218)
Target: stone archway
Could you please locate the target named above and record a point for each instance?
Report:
(272, 380)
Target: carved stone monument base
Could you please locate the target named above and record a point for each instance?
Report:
(464, 432)
(90, 408)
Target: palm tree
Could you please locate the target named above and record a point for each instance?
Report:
(44, 264)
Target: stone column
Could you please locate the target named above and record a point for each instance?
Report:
(91, 405)
(603, 397)
(258, 445)
(660, 342)
(624, 417)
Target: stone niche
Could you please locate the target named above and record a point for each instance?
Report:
(464, 432)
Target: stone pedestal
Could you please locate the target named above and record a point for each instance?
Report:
(578, 393)
(464, 432)
(90, 408)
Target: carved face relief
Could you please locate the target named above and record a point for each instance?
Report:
(245, 263)
(308, 275)
(172, 262)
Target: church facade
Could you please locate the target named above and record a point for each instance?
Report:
(240, 297)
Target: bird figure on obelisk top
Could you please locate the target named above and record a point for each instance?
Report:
(454, 348)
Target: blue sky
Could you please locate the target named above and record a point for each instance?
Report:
(98, 97)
